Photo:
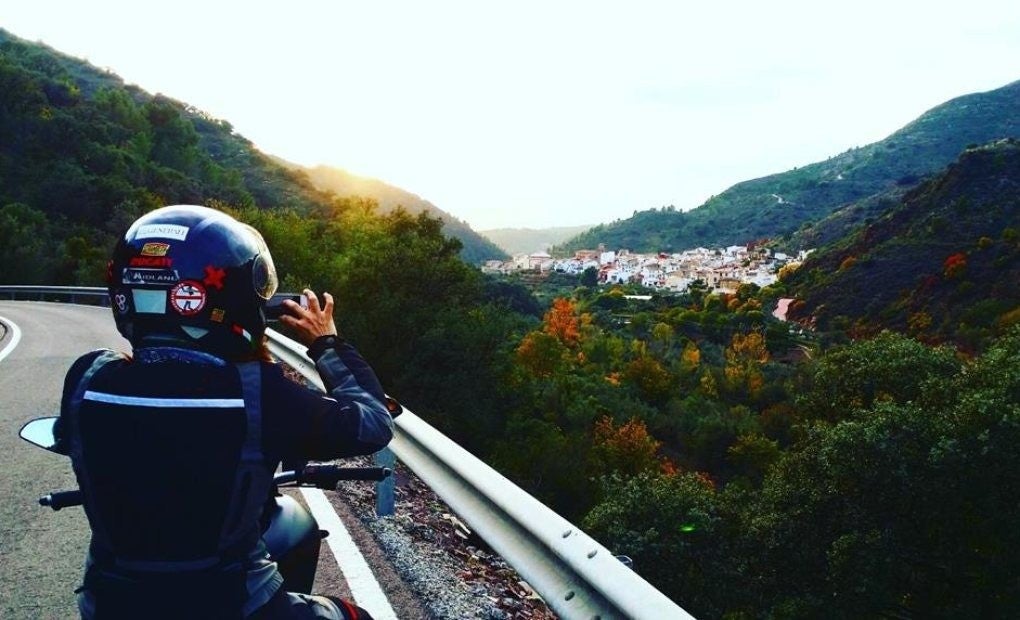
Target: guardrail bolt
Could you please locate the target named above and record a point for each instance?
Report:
(592, 553)
(569, 596)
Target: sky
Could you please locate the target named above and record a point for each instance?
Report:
(540, 114)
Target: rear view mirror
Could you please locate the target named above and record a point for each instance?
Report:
(40, 432)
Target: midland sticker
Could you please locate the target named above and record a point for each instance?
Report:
(187, 298)
(150, 276)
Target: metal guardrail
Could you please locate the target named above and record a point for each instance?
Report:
(71, 293)
(575, 574)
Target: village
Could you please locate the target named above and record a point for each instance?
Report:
(721, 269)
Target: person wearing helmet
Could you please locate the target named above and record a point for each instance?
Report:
(174, 446)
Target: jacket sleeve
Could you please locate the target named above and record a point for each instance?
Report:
(351, 420)
(352, 382)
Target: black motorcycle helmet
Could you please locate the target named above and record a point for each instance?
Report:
(191, 276)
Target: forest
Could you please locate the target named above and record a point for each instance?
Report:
(748, 471)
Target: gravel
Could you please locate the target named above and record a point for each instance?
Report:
(449, 568)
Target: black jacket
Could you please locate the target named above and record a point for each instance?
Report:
(174, 450)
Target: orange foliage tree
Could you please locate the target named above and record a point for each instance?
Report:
(540, 354)
(690, 359)
(561, 322)
(651, 379)
(627, 449)
(744, 358)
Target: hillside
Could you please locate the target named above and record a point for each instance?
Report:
(476, 249)
(942, 263)
(779, 204)
(528, 240)
(82, 155)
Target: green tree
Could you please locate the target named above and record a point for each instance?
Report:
(174, 139)
(904, 510)
(672, 527)
(26, 246)
(888, 368)
(548, 461)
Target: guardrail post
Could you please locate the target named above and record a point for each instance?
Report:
(384, 489)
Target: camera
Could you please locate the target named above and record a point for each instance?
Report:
(275, 308)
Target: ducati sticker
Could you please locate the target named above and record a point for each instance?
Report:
(187, 298)
(150, 261)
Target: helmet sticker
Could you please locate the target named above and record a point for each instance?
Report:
(150, 276)
(214, 277)
(149, 302)
(240, 331)
(162, 231)
(155, 248)
(150, 261)
(188, 298)
(120, 300)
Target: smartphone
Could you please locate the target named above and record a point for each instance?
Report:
(275, 308)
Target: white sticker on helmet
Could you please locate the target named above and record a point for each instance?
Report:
(149, 302)
(194, 332)
(162, 231)
(188, 298)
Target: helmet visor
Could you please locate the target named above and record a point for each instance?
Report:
(263, 271)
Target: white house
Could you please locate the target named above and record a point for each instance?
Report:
(539, 260)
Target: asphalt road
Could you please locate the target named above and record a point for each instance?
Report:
(41, 551)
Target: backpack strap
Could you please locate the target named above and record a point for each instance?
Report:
(71, 410)
(253, 479)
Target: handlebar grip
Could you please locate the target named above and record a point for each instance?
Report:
(61, 499)
(364, 473)
(327, 476)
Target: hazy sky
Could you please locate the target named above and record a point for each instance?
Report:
(547, 113)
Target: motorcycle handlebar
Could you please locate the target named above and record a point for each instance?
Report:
(61, 499)
(321, 476)
(327, 476)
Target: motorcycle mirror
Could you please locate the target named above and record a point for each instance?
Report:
(40, 432)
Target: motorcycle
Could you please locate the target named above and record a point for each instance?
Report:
(291, 533)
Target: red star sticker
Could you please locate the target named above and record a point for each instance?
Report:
(214, 277)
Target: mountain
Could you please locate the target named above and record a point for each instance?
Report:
(528, 240)
(476, 249)
(779, 204)
(941, 263)
(82, 154)
(62, 114)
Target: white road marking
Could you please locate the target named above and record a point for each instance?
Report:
(15, 337)
(364, 587)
